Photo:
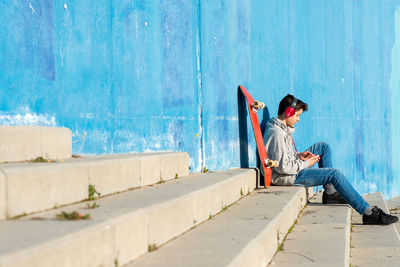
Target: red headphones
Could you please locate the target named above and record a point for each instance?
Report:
(290, 111)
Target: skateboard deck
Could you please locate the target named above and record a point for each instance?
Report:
(266, 164)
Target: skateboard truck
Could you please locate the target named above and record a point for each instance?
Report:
(271, 163)
(257, 105)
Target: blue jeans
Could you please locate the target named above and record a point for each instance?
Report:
(326, 174)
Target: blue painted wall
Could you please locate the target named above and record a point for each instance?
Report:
(134, 76)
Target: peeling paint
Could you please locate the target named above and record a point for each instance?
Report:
(30, 119)
(31, 7)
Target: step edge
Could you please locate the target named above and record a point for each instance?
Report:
(53, 242)
(271, 228)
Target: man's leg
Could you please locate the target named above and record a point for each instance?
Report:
(324, 176)
(324, 150)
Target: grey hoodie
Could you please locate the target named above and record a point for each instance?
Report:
(279, 146)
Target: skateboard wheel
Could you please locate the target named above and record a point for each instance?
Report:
(272, 163)
(258, 105)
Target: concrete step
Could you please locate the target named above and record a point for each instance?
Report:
(32, 187)
(394, 208)
(125, 225)
(321, 237)
(246, 234)
(20, 143)
(374, 245)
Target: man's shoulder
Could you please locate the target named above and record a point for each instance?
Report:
(273, 133)
(274, 130)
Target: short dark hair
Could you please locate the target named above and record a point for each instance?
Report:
(287, 102)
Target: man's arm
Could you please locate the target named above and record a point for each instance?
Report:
(278, 150)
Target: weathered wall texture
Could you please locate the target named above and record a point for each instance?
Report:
(133, 76)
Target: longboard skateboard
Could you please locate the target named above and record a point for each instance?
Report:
(266, 164)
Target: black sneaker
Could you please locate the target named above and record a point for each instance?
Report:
(334, 198)
(378, 216)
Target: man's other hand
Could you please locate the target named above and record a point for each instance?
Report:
(312, 160)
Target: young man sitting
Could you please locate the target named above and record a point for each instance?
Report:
(295, 168)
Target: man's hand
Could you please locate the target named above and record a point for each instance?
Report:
(306, 155)
(311, 160)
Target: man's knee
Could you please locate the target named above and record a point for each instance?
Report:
(338, 175)
(324, 145)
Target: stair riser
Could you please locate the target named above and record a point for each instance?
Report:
(129, 236)
(3, 199)
(21, 143)
(92, 247)
(262, 249)
(41, 186)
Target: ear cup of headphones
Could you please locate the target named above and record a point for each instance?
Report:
(289, 112)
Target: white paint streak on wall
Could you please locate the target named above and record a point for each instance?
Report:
(33, 10)
(65, 6)
(28, 119)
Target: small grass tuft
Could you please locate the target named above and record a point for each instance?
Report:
(41, 160)
(210, 217)
(176, 176)
(292, 227)
(224, 208)
(205, 170)
(241, 192)
(72, 216)
(151, 248)
(93, 192)
(93, 206)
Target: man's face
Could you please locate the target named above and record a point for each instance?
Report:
(291, 121)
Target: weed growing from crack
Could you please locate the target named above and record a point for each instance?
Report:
(93, 192)
(41, 160)
(93, 206)
(292, 227)
(65, 216)
(152, 247)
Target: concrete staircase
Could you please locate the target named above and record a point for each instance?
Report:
(374, 245)
(321, 237)
(152, 212)
(65, 182)
(333, 235)
(246, 234)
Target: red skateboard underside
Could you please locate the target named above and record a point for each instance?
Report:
(259, 138)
